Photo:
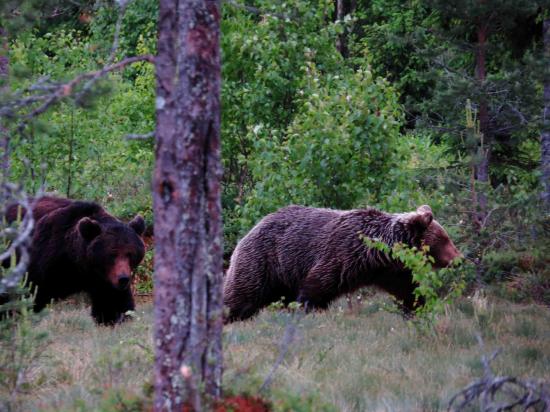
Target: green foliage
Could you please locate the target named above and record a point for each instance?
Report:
(513, 242)
(287, 401)
(511, 85)
(420, 177)
(281, 304)
(144, 274)
(394, 32)
(338, 148)
(427, 50)
(138, 28)
(438, 287)
(264, 76)
(71, 147)
(263, 61)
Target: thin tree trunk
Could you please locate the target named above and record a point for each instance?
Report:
(70, 156)
(187, 206)
(4, 73)
(545, 135)
(341, 41)
(482, 167)
(4, 59)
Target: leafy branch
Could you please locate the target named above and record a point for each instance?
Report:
(436, 288)
(53, 92)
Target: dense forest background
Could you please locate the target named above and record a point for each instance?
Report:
(345, 104)
(330, 103)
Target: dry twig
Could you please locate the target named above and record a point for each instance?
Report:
(492, 393)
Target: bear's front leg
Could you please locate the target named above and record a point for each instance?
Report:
(401, 286)
(110, 306)
(319, 288)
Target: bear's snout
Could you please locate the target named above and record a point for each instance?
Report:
(449, 255)
(123, 281)
(119, 275)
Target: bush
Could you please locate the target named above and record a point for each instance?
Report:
(339, 147)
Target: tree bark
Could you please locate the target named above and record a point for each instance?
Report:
(187, 206)
(4, 73)
(341, 41)
(4, 59)
(545, 135)
(482, 166)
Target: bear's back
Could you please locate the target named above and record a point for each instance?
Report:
(293, 226)
(288, 241)
(41, 207)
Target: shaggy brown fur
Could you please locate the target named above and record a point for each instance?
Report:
(315, 255)
(78, 247)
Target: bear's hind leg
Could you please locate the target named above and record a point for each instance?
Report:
(242, 312)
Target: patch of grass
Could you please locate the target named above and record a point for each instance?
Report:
(529, 354)
(381, 362)
(84, 361)
(344, 359)
(525, 327)
(466, 307)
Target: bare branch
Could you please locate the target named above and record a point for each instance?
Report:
(288, 338)
(518, 113)
(499, 393)
(146, 136)
(257, 11)
(18, 239)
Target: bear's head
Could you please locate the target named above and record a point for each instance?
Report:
(427, 231)
(113, 249)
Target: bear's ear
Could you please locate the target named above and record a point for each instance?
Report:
(138, 224)
(88, 228)
(422, 218)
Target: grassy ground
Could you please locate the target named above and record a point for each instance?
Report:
(344, 359)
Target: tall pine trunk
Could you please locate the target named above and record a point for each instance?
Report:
(545, 135)
(187, 206)
(484, 151)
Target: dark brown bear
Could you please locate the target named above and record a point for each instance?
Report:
(78, 247)
(314, 255)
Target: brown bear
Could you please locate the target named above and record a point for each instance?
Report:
(78, 247)
(313, 255)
